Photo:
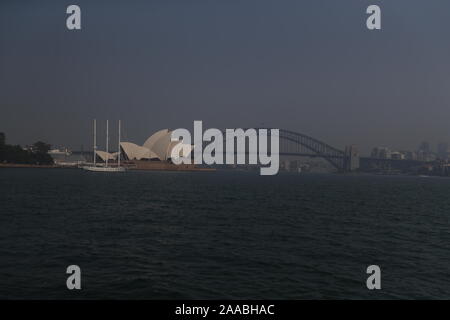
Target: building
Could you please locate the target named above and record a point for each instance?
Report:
(396, 155)
(443, 151)
(381, 153)
(425, 147)
(158, 147)
(425, 156)
(410, 155)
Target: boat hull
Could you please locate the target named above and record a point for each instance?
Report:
(104, 169)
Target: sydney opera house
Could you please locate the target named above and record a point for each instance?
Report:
(155, 153)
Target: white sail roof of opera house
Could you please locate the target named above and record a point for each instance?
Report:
(183, 149)
(162, 145)
(105, 155)
(157, 146)
(149, 143)
(135, 152)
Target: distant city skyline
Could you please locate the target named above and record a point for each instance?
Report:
(307, 66)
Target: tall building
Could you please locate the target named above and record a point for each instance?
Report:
(424, 153)
(381, 153)
(425, 147)
(425, 156)
(411, 155)
(443, 151)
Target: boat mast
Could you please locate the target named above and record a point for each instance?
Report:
(95, 141)
(107, 142)
(118, 156)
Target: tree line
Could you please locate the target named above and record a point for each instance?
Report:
(36, 154)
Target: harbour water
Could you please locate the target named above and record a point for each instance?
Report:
(212, 235)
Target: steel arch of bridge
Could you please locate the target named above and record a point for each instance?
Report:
(298, 144)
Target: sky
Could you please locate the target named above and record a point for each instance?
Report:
(308, 66)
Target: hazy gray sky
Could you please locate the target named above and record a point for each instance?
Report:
(308, 66)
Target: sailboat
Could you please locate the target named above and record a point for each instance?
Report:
(104, 168)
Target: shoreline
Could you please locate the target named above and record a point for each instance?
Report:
(26, 165)
(160, 167)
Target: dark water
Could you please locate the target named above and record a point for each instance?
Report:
(159, 235)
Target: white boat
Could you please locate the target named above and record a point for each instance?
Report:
(65, 152)
(104, 168)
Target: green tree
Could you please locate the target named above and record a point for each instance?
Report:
(41, 147)
(2, 146)
(40, 153)
(16, 154)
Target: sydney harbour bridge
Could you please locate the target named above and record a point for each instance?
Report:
(301, 145)
(298, 144)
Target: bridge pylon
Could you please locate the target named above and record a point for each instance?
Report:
(351, 159)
